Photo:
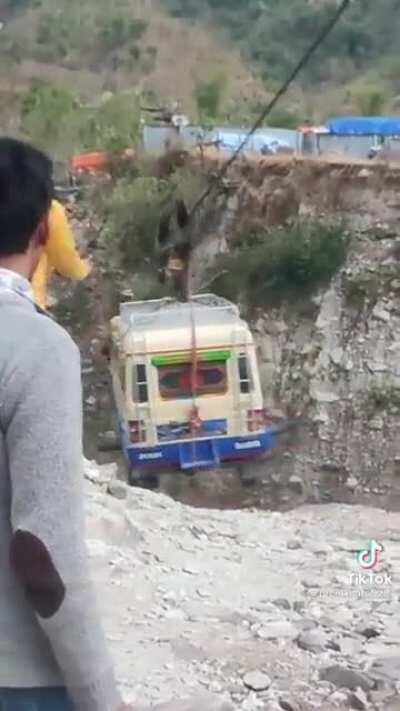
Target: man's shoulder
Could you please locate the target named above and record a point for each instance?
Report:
(36, 355)
(50, 334)
(30, 333)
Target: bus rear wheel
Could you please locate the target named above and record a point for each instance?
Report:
(252, 472)
(143, 481)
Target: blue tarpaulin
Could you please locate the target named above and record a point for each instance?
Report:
(364, 126)
(231, 141)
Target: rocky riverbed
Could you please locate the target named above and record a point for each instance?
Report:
(245, 610)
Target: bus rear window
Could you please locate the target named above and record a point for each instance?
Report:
(175, 381)
(139, 382)
(244, 374)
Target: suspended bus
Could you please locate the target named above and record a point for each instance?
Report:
(187, 388)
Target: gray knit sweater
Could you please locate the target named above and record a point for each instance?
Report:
(50, 632)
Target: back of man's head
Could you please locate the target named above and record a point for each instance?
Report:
(26, 192)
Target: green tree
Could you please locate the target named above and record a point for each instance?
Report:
(19, 4)
(273, 34)
(370, 100)
(47, 112)
(114, 126)
(54, 119)
(209, 96)
(285, 118)
(118, 30)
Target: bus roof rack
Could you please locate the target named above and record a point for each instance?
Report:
(167, 313)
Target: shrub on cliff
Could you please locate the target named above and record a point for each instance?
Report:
(132, 213)
(271, 267)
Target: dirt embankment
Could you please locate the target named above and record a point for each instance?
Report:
(335, 363)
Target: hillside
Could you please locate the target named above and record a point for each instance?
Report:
(92, 47)
(356, 69)
(273, 34)
(165, 48)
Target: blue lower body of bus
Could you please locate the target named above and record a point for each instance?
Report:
(187, 455)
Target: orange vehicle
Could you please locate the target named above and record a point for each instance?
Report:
(97, 160)
(90, 161)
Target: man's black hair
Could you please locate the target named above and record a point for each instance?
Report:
(26, 192)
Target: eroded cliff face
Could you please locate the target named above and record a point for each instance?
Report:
(334, 361)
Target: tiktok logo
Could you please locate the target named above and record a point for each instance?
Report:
(368, 558)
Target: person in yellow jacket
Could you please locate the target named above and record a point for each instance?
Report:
(60, 255)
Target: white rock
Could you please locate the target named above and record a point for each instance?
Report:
(276, 328)
(257, 681)
(314, 640)
(277, 630)
(321, 394)
(99, 474)
(381, 314)
(337, 356)
(358, 700)
(352, 483)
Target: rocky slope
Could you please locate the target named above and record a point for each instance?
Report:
(335, 362)
(258, 611)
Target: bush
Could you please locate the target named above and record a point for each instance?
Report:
(209, 95)
(360, 288)
(133, 213)
(114, 126)
(55, 121)
(48, 114)
(117, 31)
(383, 395)
(369, 99)
(286, 118)
(146, 285)
(19, 4)
(269, 268)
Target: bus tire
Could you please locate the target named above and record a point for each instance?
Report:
(151, 482)
(246, 475)
(252, 472)
(143, 481)
(109, 441)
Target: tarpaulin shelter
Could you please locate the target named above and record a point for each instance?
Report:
(364, 126)
(231, 141)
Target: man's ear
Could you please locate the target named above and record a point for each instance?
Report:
(42, 233)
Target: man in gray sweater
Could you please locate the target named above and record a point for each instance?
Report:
(53, 654)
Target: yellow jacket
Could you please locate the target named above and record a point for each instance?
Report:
(60, 254)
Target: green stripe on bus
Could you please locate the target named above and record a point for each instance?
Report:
(179, 358)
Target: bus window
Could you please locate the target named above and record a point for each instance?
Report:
(175, 381)
(139, 384)
(244, 374)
